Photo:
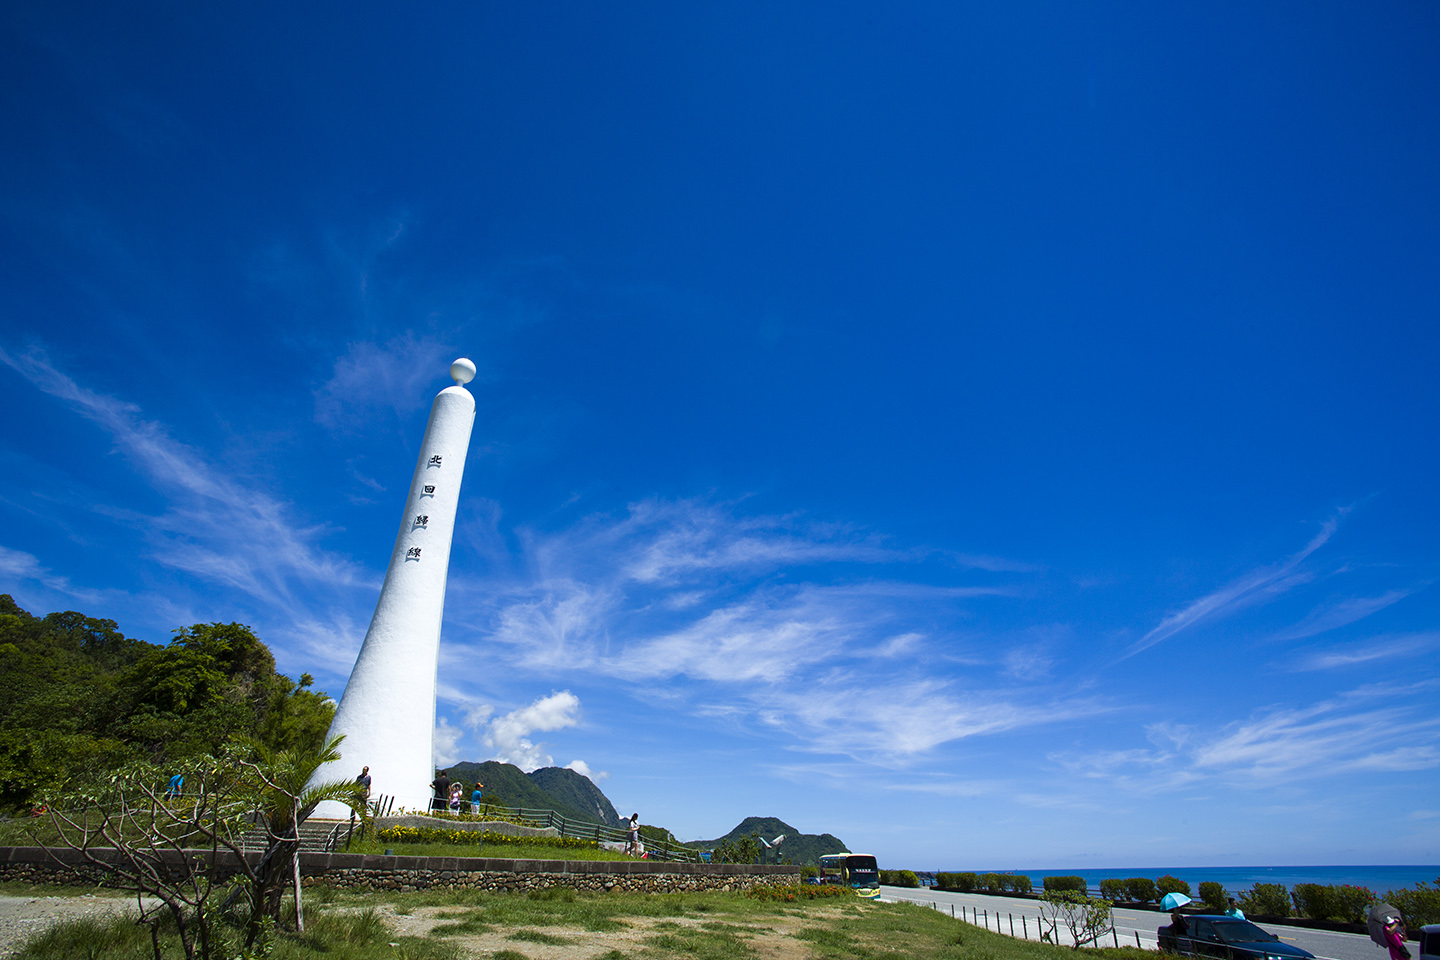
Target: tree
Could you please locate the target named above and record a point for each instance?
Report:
(130, 830)
(743, 850)
(278, 789)
(1084, 916)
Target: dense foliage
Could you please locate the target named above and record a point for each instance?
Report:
(1213, 895)
(1420, 905)
(1169, 884)
(83, 699)
(899, 878)
(1266, 900)
(1071, 883)
(1330, 902)
(477, 837)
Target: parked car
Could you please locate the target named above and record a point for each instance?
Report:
(1226, 938)
(1430, 942)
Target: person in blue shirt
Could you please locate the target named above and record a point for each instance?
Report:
(475, 797)
(1235, 910)
(174, 788)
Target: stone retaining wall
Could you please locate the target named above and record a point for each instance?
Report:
(355, 871)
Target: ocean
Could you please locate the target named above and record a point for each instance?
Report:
(1238, 879)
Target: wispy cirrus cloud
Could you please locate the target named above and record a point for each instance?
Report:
(694, 600)
(1340, 613)
(1377, 728)
(1257, 586)
(213, 527)
(1384, 647)
(374, 382)
(1341, 734)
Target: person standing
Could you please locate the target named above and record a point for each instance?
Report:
(441, 785)
(632, 844)
(1395, 939)
(475, 797)
(364, 781)
(456, 792)
(1235, 910)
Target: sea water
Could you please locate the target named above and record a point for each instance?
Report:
(1239, 879)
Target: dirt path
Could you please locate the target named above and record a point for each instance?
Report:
(771, 940)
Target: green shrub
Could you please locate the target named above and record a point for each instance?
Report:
(899, 878)
(1056, 884)
(1112, 890)
(1266, 900)
(1419, 906)
(1315, 900)
(965, 881)
(1169, 884)
(1020, 883)
(1141, 889)
(1213, 895)
(477, 837)
(946, 881)
(1352, 903)
(992, 882)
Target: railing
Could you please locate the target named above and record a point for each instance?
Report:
(580, 829)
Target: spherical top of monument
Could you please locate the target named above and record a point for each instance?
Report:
(462, 371)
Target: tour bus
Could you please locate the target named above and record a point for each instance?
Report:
(857, 870)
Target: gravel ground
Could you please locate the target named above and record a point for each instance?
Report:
(23, 917)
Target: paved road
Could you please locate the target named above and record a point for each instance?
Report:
(1128, 923)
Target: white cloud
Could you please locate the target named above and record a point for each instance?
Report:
(1257, 586)
(381, 382)
(583, 768)
(445, 748)
(509, 735)
(1324, 739)
(17, 565)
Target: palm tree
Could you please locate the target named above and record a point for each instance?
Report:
(278, 788)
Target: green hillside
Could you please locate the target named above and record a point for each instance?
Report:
(797, 847)
(566, 792)
(81, 699)
(571, 788)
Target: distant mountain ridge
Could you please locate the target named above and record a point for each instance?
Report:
(570, 794)
(797, 847)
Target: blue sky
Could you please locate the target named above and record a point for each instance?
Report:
(999, 435)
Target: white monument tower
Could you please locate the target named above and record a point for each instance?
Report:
(387, 713)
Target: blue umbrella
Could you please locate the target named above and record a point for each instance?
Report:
(1174, 901)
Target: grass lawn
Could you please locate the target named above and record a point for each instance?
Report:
(564, 925)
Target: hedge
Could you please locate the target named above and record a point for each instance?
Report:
(477, 837)
(1113, 890)
(1266, 900)
(1055, 884)
(1141, 889)
(1169, 884)
(899, 878)
(1330, 902)
(1420, 906)
(1214, 896)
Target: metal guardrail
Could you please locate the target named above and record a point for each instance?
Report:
(579, 829)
